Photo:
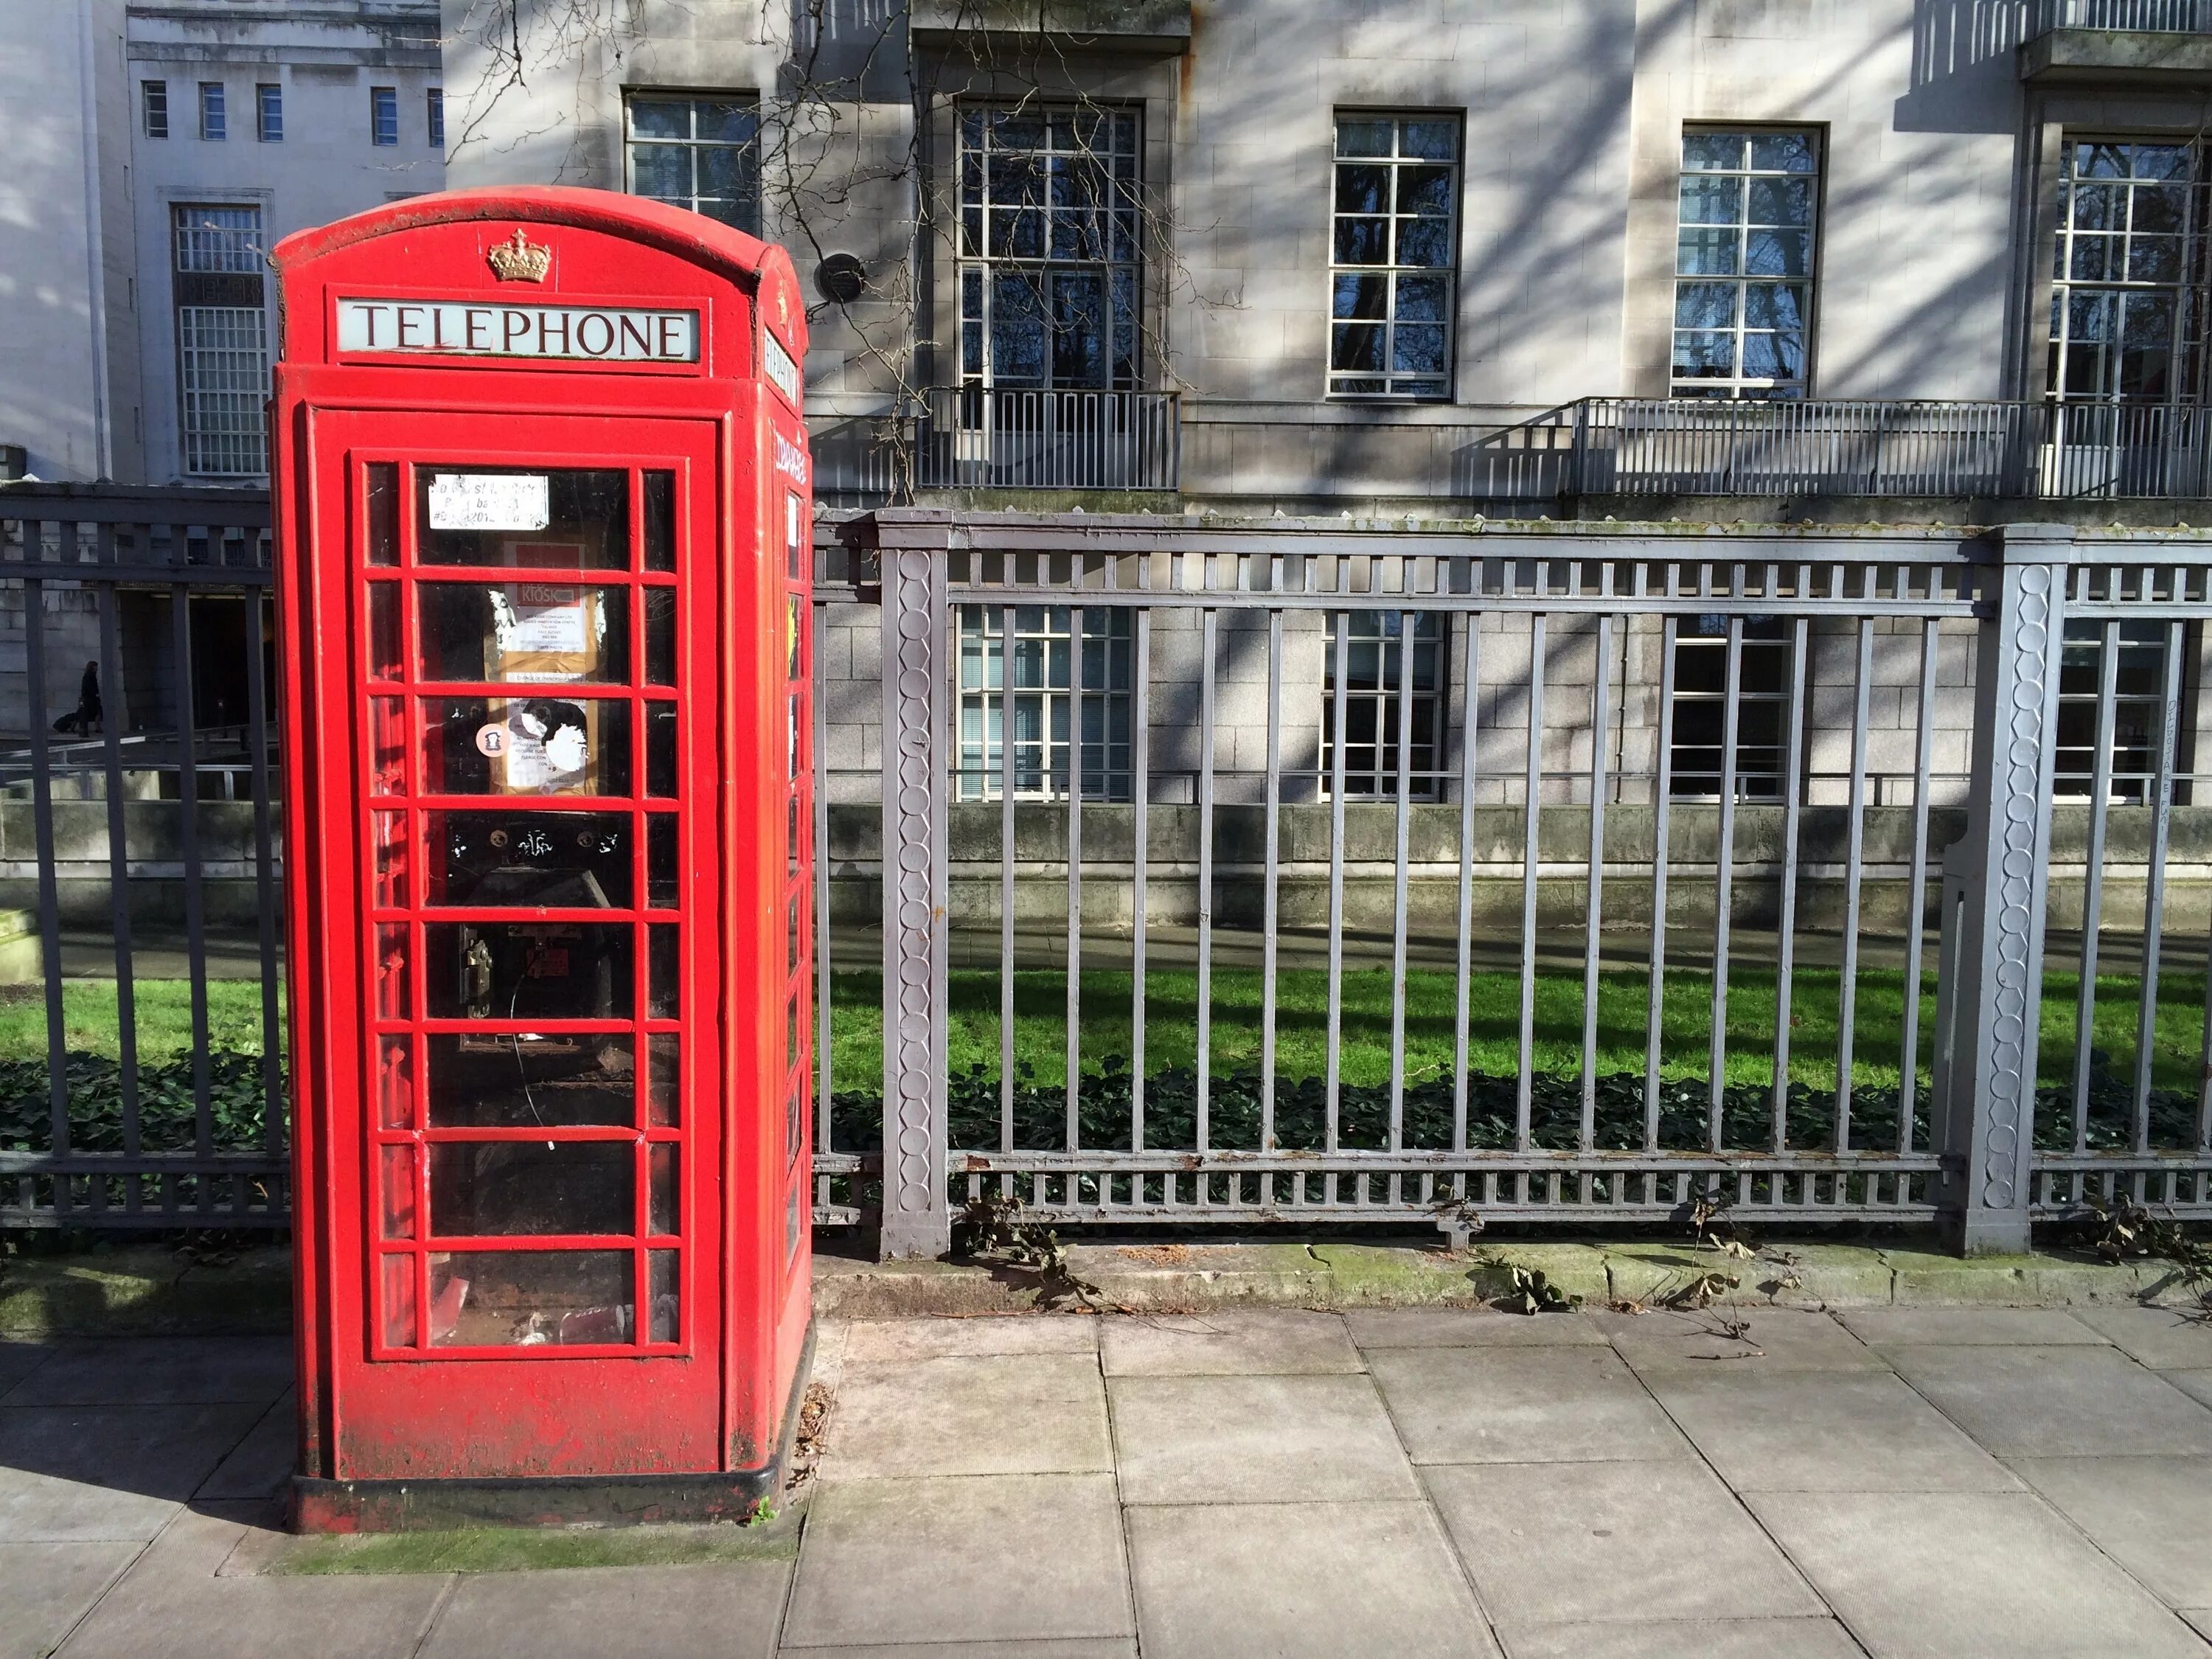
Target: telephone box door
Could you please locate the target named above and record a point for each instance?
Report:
(537, 1138)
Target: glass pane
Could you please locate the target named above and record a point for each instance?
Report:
(666, 1307)
(1431, 141)
(662, 1080)
(396, 1176)
(660, 861)
(1783, 152)
(661, 172)
(525, 746)
(399, 1277)
(387, 746)
(390, 832)
(660, 750)
(665, 971)
(556, 860)
(1704, 304)
(386, 653)
(1774, 305)
(518, 971)
(1707, 152)
(393, 1001)
(1362, 190)
(525, 1298)
(530, 1079)
(1707, 253)
(1364, 137)
(723, 123)
(660, 521)
(497, 1188)
(659, 118)
(665, 1205)
(1781, 202)
(382, 485)
(395, 1085)
(1716, 201)
(535, 519)
(543, 633)
(660, 636)
(1777, 253)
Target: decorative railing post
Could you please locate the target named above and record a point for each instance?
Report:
(1997, 880)
(913, 548)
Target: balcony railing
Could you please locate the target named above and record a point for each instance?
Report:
(2124, 16)
(2001, 451)
(980, 438)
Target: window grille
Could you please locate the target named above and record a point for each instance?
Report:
(1744, 254)
(384, 115)
(212, 114)
(436, 100)
(1394, 256)
(1051, 245)
(154, 104)
(702, 153)
(1045, 696)
(2129, 272)
(2138, 694)
(1375, 718)
(1699, 734)
(222, 341)
(269, 103)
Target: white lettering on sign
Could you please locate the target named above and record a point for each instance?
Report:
(488, 501)
(457, 329)
(791, 460)
(780, 369)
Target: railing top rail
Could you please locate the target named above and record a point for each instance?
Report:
(73, 503)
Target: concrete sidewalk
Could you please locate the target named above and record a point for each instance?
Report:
(1431, 1481)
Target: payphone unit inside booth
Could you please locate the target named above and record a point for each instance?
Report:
(544, 496)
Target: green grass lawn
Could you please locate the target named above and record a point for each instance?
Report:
(162, 1010)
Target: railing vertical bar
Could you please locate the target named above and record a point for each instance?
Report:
(1471, 709)
(1601, 729)
(1007, 856)
(1661, 808)
(1273, 870)
(1854, 874)
(188, 789)
(1076, 655)
(1401, 850)
(2093, 889)
(1532, 810)
(1915, 915)
(824, 1019)
(1140, 792)
(1724, 876)
(119, 853)
(1207, 643)
(2155, 884)
(42, 816)
(265, 878)
(1793, 798)
(1341, 625)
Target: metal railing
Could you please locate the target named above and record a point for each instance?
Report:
(2140, 16)
(984, 438)
(167, 1127)
(2004, 451)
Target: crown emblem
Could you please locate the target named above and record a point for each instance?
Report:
(518, 260)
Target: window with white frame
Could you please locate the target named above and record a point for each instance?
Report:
(2129, 272)
(269, 112)
(435, 101)
(1699, 741)
(1378, 716)
(222, 340)
(2138, 694)
(154, 107)
(1051, 248)
(1743, 267)
(213, 118)
(700, 153)
(1394, 256)
(384, 115)
(1070, 708)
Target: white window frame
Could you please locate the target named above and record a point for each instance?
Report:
(215, 112)
(154, 108)
(268, 112)
(1394, 275)
(745, 214)
(2085, 254)
(1752, 242)
(1044, 702)
(383, 117)
(434, 116)
(223, 350)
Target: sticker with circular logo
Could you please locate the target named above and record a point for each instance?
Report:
(491, 740)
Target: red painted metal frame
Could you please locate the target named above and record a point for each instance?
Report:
(706, 1409)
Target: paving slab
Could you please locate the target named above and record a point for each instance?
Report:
(975, 1559)
(2201, 1618)
(1081, 1647)
(972, 1414)
(1468, 1327)
(1233, 1342)
(1254, 1440)
(1959, 1328)
(45, 1588)
(1770, 1340)
(87, 1473)
(1521, 1406)
(1924, 1575)
(1550, 1543)
(172, 1371)
(2197, 1385)
(264, 1461)
(878, 1341)
(171, 1599)
(1704, 1638)
(1806, 1276)
(728, 1611)
(1286, 1580)
(2164, 1339)
(2152, 1514)
(1824, 1431)
(2058, 1402)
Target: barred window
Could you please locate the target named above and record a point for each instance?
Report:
(2138, 670)
(212, 115)
(1394, 256)
(1377, 718)
(1051, 209)
(2130, 272)
(1048, 731)
(436, 100)
(1743, 285)
(384, 115)
(1699, 741)
(702, 153)
(222, 340)
(154, 106)
(269, 104)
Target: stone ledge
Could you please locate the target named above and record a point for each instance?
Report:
(151, 1289)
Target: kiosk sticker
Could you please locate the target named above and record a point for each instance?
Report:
(489, 500)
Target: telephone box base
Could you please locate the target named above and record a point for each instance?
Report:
(352, 1506)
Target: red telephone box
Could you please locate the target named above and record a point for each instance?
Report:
(542, 489)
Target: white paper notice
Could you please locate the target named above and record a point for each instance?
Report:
(488, 501)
